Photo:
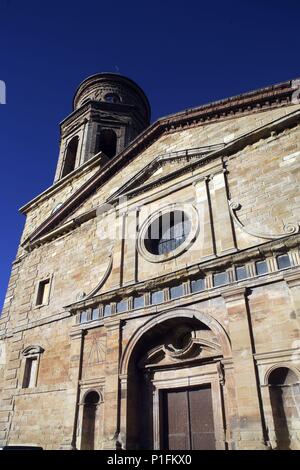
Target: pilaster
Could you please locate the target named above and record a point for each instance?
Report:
(72, 395)
(247, 427)
(203, 204)
(223, 228)
(111, 399)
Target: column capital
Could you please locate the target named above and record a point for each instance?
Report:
(113, 324)
(234, 294)
(123, 380)
(292, 278)
(198, 181)
(77, 334)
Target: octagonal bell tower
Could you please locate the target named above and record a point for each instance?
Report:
(109, 111)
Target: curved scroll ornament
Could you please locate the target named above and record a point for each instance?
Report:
(33, 349)
(104, 277)
(194, 347)
(288, 229)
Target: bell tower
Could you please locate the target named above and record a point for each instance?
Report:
(109, 111)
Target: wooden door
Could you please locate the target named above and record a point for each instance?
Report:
(188, 419)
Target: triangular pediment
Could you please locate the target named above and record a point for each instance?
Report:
(163, 167)
(155, 173)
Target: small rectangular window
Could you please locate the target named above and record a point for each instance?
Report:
(283, 261)
(241, 273)
(261, 267)
(176, 291)
(157, 297)
(122, 306)
(95, 313)
(30, 372)
(220, 279)
(43, 292)
(197, 285)
(83, 317)
(107, 310)
(138, 302)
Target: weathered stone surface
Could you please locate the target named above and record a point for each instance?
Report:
(228, 337)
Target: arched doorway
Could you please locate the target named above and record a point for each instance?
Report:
(284, 388)
(90, 421)
(174, 385)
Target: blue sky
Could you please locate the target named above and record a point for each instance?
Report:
(182, 54)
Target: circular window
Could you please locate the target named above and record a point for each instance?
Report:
(112, 98)
(168, 232)
(57, 207)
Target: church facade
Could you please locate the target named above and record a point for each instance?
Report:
(154, 302)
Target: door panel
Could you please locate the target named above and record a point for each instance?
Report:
(201, 418)
(176, 420)
(188, 419)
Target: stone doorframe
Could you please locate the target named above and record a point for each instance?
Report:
(266, 363)
(215, 381)
(85, 388)
(207, 374)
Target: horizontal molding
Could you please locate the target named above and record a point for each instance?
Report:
(110, 168)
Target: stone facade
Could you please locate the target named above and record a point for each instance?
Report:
(97, 331)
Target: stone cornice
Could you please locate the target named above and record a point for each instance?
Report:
(192, 158)
(293, 278)
(206, 267)
(246, 103)
(102, 175)
(92, 110)
(192, 298)
(62, 387)
(234, 294)
(77, 334)
(34, 324)
(280, 353)
(87, 166)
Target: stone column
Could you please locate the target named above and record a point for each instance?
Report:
(203, 204)
(123, 408)
(72, 395)
(293, 281)
(111, 392)
(223, 227)
(156, 423)
(82, 143)
(89, 141)
(118, 253)
(229, 397)
(10, 364)
(130, 248)
(247, 425)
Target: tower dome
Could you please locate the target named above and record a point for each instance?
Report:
(109, 111)
(113, 89)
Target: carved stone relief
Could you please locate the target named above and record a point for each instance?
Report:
(98, 351)
(182, 345)
(288, 229)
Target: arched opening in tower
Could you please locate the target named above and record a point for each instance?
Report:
(71, 154)
(106, 142)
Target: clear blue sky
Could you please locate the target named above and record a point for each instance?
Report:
(182, 53)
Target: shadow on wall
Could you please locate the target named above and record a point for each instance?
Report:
(285, 403)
